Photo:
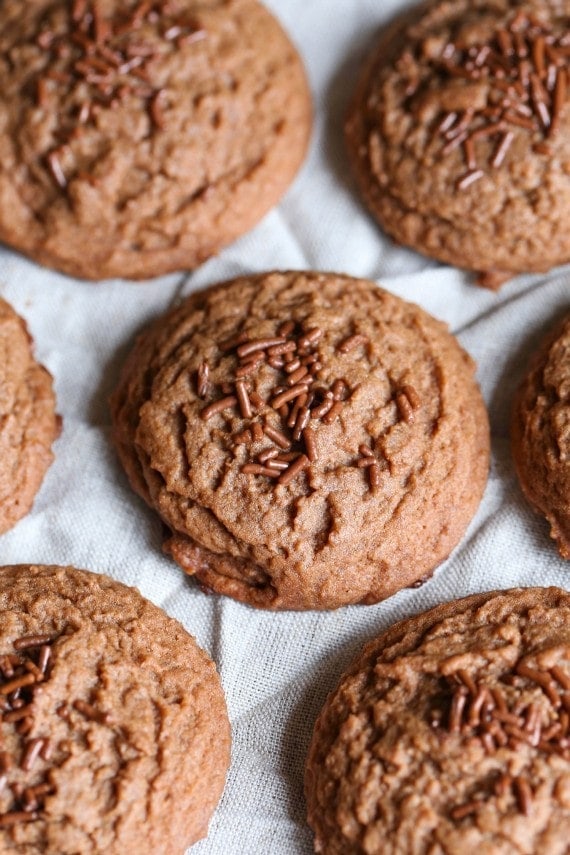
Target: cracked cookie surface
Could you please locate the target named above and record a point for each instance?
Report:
(138, 138)
(309, 439)
(459, 134)
(117, 737)
(28, 422)
(449, 734)
(540, 434)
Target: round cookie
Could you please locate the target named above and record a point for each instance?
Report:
(28, 423)
(141, 137)
(459, 134)
(450, 734)
(540, 433)
(309, 439)
(122, 741)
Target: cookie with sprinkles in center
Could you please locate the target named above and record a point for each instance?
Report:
(142, 136)
(450, 734)
(309, 439)
(459, 134)
(113, 728)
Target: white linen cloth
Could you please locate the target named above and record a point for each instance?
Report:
(276, 668)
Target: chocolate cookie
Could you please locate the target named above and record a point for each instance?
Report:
(141, 137)
(309, 439)
(115, 736)
(459, 134)
(540, 433)
(450, 734)
(28, 423)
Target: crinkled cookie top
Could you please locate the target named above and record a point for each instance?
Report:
(459, 133)
(140, 137)
(310, 439)
(28, 423)
(114, 731)
(541, 434)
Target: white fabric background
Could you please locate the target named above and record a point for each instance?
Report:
(276, 668)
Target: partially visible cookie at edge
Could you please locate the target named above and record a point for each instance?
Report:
(139, 138)
(459, 134)
(115, 736)
(309, 439)
(540, 434)
(450, 734)
(28, 422)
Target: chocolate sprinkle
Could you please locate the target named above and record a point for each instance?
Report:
(28, 641)
(375, 478)
(296, 467)
(524, 795)
(218, 407)
(310, 444)
(257, 469)
(333, 413)
(203, 383)
(278, 438)
(16, 817)
(17, 683)
(352, 342)
(243, 399)
(31, 753)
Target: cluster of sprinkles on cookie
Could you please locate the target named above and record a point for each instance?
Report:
(301, 400)
(498, 715)
(524, 72)
(95, 62)
(23, 675)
